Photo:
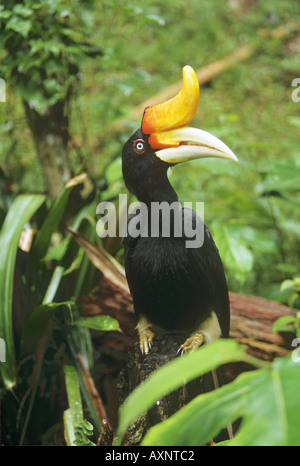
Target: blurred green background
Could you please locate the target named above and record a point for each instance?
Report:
(77, 71)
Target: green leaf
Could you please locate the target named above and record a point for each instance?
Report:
(283, 324)
(82, 432)
(224, 443)
(66, 250)
(75, 349)
(105, 323)
(270, 417)
(234, 250)
(156, 19)
(19, 25)
(202, 419)
(256, 239)
(20, 212)
(37, 323)
(296, 284)
(53, 285)
(292, 299)
(282, 176)
(69, 427)
(53, 219)
(22, 10)
(176, 373)
(74, 415)
(287, 285)
(84, 271)
(114, 171)
(5, 14)
(264, 399)
(286, 269)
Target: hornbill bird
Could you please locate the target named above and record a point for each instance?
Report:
(175, 288)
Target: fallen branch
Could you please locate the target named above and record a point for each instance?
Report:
(252, 320)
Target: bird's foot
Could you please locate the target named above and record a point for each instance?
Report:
(192, 343)
(146, 340)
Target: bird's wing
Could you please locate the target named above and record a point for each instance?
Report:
(207, 263)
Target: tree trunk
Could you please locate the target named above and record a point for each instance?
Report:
(139, 368)
(51, 136)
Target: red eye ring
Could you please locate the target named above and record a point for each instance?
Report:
(139, 146)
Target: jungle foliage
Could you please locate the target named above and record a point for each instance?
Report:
(96, 61)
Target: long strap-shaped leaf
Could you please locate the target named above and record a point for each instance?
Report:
(20, 212)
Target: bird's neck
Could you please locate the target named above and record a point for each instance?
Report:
(156, 190)
(160, 207)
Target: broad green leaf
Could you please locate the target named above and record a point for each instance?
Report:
(20, 212)
(272, 415)
(234, 250)
(176, 373)
(256, 239)
(105, 323)
(265, 400)
(202, 419)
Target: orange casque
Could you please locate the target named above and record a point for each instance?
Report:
(174, 113)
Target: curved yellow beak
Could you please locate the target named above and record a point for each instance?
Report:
(165, 125)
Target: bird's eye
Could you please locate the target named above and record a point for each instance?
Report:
(139, 146)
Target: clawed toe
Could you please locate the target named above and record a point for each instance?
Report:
(146, 340)
(192, 343)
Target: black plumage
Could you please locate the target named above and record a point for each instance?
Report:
(174, 287)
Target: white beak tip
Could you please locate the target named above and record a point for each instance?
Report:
(233, 157)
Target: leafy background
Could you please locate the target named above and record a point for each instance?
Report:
(102, 59)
